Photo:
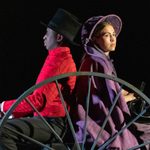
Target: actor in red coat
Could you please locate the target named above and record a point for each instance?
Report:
(61, 31)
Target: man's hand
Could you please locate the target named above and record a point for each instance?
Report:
(1, 113)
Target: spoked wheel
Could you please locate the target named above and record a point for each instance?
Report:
(137, 115)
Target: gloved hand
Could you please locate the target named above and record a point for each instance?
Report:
(1, 113)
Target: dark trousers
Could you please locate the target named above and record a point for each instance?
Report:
(33, 127)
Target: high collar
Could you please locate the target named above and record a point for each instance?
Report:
(58, 50)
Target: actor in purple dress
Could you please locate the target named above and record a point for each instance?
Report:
(99, 37)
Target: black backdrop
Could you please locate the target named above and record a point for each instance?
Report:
(22, 54)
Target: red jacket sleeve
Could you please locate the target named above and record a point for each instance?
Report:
(47, 95)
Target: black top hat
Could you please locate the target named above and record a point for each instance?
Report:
(65, 23)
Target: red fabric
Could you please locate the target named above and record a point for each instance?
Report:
(46, 98)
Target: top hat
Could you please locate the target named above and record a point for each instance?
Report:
(65, 23)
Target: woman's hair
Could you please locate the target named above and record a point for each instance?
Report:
(99, 27)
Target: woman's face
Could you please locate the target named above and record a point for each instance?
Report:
(106, 39)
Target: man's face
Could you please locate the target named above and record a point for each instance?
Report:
(50, 39)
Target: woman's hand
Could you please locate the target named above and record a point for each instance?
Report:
(128, 96)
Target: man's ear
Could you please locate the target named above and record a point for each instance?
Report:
(59, 37)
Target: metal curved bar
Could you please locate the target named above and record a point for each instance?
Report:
(118, 133)
(136, 147)
(106, 119)
(87, 111)
(56, 78)
(68, 116)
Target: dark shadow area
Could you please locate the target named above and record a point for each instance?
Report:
(22, 54)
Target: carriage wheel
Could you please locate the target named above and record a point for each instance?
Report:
(137, 115)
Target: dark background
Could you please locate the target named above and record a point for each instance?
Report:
(22, 54)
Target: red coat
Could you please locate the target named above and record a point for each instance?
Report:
(46, 98)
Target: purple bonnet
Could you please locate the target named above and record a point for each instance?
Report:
(90, 25)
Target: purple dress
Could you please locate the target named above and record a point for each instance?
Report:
(102, 95)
